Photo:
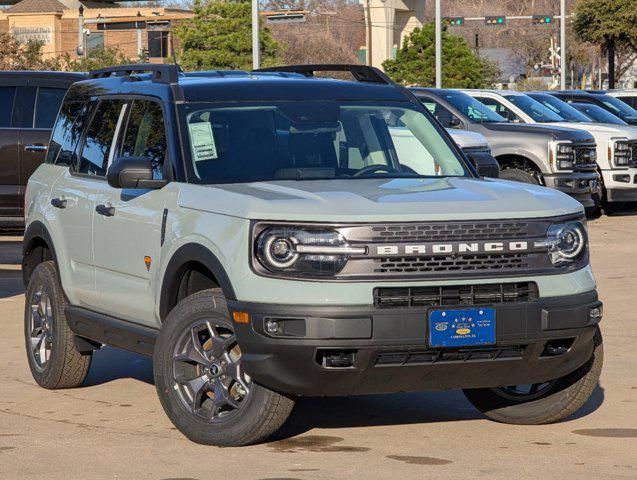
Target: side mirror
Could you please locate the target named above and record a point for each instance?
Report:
(485, 164)
(132, 172)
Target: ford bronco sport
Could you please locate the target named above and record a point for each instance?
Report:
(263, 236)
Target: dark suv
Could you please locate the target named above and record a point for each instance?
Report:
(601, 99)
(29, 104)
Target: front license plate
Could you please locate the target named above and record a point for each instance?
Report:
(461, 327)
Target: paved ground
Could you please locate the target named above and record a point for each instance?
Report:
(114, 426)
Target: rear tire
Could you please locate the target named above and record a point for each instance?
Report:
(200, 382)
(517, 175)
(54, 359)
(560, 399)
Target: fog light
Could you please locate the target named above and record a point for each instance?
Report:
(596, 313)
(622, 178)
(272, 326)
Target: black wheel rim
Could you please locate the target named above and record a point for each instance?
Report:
(207, 373)
(40, 328)
(526, 392)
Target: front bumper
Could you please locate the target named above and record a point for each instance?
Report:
(579, 185)
(391, 352)
(620, 185)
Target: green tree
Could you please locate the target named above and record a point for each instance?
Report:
(94, 59)
(461, 67)
(612, 24)
(219, 37)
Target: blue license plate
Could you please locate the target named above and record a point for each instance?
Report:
(461, 327)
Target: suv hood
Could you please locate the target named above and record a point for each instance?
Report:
(379, 200)
(556, 132)
(627, 131)
(467, 139)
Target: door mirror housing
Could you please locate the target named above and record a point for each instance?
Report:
(454, 122)
(485, 164)
(133, 172)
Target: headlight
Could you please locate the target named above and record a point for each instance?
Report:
(303, 251)
(562, 155)
(566, 242)
(620, 153)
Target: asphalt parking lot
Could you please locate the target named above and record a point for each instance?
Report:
(114, 427)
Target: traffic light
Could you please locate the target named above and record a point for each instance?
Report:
(542, 19)
(454, 21)
(495, 20)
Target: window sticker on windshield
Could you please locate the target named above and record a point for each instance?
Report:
(203, 142)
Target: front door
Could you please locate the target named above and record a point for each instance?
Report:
(127, 228)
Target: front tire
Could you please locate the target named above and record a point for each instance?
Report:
(54, 359)
(200, 382)
(544, 403)
(518, 175)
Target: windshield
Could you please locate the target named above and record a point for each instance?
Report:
(619, 108)
(314, 140)
(559, 107)
(472, 108)
(598, 114)
(533, 109)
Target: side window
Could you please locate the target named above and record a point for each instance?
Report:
(7, 97)
(146, 135)
(500, 109)
(47, 105)
(99, 138)
(444, 116)
(66, 133)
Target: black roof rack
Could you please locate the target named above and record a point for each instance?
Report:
(164, 73)
(361, 73)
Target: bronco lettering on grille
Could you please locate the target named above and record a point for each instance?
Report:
(452, 247)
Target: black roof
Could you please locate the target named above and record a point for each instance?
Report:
(219, 85)
(32, 78)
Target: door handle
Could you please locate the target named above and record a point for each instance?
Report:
(107, 211)
(58, 202)
(35, 148)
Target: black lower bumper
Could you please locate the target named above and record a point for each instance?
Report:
(360, 350)
(579, 185)
(621, 194)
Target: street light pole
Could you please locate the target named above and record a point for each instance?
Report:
(255, 35)
(439, 46)
(562, 44)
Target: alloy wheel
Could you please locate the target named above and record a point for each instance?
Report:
(41, 328)
(524, 393)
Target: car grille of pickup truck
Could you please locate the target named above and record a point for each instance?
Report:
(585, 157)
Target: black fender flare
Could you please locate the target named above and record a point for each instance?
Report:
(37, 230)
(191, 252)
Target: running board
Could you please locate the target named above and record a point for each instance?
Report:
(111, 331)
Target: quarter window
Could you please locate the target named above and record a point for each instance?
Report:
(146, 135)
(7, 96)
(99, 138)
(66, 133)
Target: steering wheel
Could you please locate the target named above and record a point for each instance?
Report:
(373, 169)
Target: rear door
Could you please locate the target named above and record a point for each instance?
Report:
(9, 140)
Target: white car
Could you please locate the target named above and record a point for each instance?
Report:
(629, 97)
(616, 144)
(470, 141)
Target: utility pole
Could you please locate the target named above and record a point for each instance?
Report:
(255, 35)
(80, 32)
(439, 46)
(368, 40)
(562, 44)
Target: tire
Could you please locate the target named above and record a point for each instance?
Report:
(518, 175)
(561, 398)
(61, 365)
(230, 409)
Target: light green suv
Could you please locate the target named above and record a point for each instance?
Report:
(268, 235)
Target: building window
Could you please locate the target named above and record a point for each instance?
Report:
(94, 41)
(157, 43)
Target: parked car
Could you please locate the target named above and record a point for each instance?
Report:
(629, 97)
(260, 235)
(597, 114)
(601, 99)
(521, 150)
(615, 159)
(30, 102)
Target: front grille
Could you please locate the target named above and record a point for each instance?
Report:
(388, 359)
(633, 150)
(452, 263)
(453, 295)
(585, 157)
(449, 231)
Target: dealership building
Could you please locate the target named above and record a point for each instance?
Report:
(74, 27)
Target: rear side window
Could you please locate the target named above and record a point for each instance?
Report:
(146, 135)
(47, 106)
(66, 133)
(7, 97)
(99, 138)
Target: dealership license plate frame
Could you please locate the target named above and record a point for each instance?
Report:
(447, 327)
